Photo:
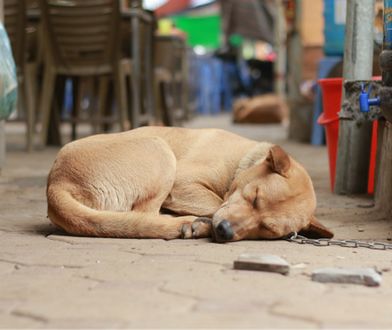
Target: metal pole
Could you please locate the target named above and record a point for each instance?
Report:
(295, 55)
(300, 123)
(280, 46)
(355, 135)
(148, 71)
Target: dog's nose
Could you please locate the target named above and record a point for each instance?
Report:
(223, 231)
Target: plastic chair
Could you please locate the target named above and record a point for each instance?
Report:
(138, 28)
(171, 75)
(81, 40)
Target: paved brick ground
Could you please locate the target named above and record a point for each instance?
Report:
(49, 280)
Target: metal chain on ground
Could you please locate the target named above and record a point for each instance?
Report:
(299, 239)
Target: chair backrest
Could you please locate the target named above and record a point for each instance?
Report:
(81, 32)
(15, 24)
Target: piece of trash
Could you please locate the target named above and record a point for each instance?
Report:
(262, 262)
(363, 276)
(339, 257)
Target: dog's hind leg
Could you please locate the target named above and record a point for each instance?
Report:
(151, 225)
(79, 219)
(193, 198)
(116, 195)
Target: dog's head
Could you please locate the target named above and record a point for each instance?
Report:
(269, 200)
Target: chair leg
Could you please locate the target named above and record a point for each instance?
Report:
(120, 91)
(121, 101)
(46, 98)
(103, 86)
(168, 103)
(149, 80)
(135, 88)
(158, 111)
(30, 104)
(23, 104)
(54, 133)
(77, 91)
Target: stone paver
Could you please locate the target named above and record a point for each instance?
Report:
(363, 276)
(262, 262)
(50, 280)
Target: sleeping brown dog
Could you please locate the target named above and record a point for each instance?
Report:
(266, 108)
(160, 182)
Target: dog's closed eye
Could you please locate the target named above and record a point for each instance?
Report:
(254, 203)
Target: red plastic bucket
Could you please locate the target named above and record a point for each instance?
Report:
(331, 89)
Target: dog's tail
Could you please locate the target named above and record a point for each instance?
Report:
(75, 218)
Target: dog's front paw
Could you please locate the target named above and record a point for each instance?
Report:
(200, 228)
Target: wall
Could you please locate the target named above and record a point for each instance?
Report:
(312, 36)
(384, 173)
(312, 23)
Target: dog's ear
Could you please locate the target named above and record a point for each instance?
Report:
(316, 229)
(278, 160)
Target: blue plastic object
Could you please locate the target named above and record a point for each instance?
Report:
(211, 78)
(209, 73)
(365, 102)
(334, 26)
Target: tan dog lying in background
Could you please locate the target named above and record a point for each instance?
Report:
(261, 109)
(160, 182)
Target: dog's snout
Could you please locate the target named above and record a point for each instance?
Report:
(223, 231)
